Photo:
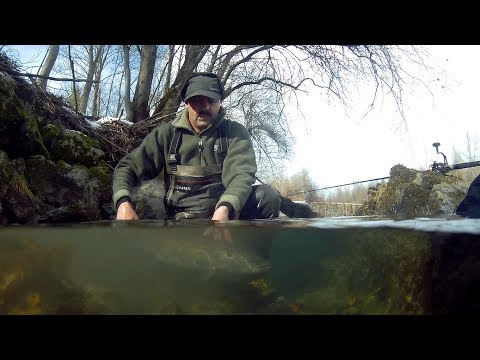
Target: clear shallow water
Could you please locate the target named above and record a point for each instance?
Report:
(344, 265)
(433, 224)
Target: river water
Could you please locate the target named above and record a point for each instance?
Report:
(333, 266)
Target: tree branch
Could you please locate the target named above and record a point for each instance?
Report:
(52, 78)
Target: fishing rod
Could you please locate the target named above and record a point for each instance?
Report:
(329, 187)
(334, 186)
(442, 168)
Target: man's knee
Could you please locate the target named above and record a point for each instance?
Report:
(268, 201)
(296, 210)
(266, 193)
(470, 205)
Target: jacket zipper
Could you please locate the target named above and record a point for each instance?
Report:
(200, 149)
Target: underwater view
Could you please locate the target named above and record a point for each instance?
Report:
(327, 266)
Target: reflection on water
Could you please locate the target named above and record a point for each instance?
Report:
(357, 265)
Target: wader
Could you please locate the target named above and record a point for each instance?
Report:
(192, 192)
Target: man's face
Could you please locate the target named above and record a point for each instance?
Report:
(202, 111)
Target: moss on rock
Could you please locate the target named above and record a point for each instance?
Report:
(50, 133)
(411, 193)
(77, 148)
(6, 172)
(34, 136)
(19, 133)
(102, 174)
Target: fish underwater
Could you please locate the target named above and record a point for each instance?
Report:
(209, 256)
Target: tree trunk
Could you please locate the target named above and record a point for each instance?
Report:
(120, 97)
(144, 83)
(126, 63)
(93, 64)
(98, 75)
(96, 94)
(48, 65)
(168, 78)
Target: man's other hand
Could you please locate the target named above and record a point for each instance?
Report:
(126, 212)
(221, 214)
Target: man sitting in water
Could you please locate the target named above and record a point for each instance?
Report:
(208, 162)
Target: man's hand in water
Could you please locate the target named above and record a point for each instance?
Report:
(221, 214)
(126, 212)
(219, 232)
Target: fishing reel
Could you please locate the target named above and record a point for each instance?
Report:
(440, 167)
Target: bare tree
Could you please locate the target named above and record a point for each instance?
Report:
(171, 55)
(48, 65)
(286, 70)
(471, 147)
(259, 81)
(302, 187)
(126, 64)
(74, 85)
(95, 55)
(97, 87)
(119, 110)
(87, 88)
(470, 154)
(144, 83)
(268, 129)
(137, 109)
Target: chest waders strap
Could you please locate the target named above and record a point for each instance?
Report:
(172, 163)
(172, 152)
(222, 135)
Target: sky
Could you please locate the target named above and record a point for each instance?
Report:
(339, 145)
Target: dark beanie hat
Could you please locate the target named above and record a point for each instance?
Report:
(202, 83)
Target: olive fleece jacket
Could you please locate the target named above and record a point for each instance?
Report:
(148, 160)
